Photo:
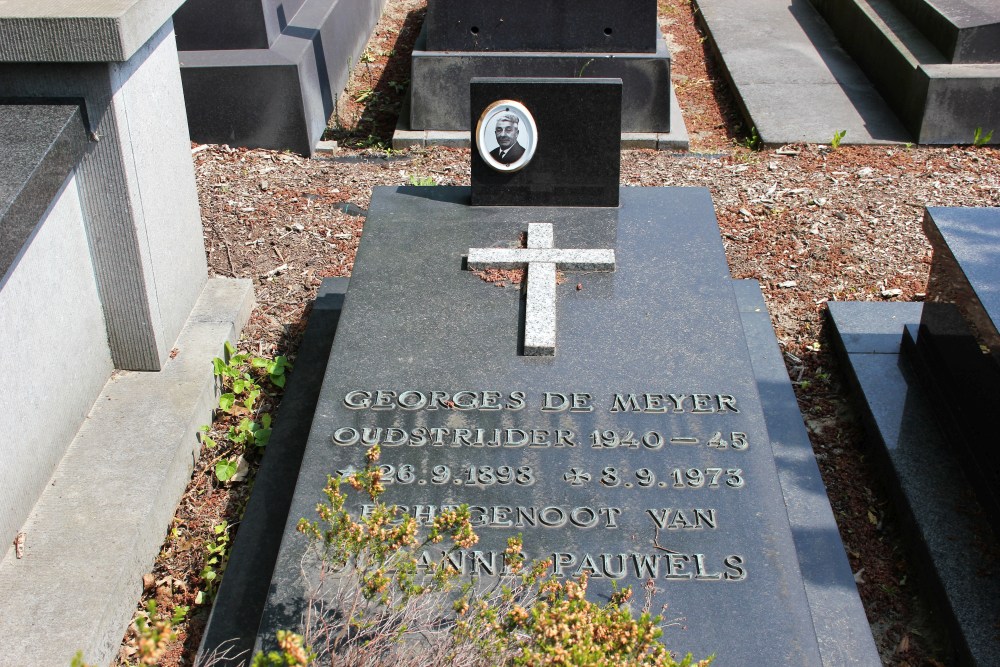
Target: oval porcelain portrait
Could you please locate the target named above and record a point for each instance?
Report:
(506, 136)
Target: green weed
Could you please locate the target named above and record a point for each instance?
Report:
(980, 139)
(216, 560)
(422, 180)
(838, 136)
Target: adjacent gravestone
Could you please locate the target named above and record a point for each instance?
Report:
(527, 25)
(957, 346)
(463, 40)
(927, 376)
(555, 152)
(265, 73)
(935, 62)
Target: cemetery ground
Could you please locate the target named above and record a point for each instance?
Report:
(812, 223)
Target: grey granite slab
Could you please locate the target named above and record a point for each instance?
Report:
(79, 31)
(953, 550)
(666, 321)
(43, 144)
(838, 616)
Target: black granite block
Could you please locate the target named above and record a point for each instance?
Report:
(282, 96)
(867, 328)
(576, 142)
(239, 603)
(210, 25)
(624, 26)
(961, 381)
(953, 552)
(665, 321)
(966, 31)
(250, 104)
(439, 88)
(966, 266)
(42, 144)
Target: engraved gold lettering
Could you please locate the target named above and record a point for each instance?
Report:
(412, 400)
(727, 403)
(734, 565)
(357, 400)
(561, 562)
(554, 402)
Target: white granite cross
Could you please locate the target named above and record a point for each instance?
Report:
(542, 261)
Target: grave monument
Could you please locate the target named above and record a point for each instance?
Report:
(927, 378)
(266, 73)
(463, 39)
(108, 316)
(627, 411)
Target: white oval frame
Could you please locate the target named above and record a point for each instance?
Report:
(483, 127)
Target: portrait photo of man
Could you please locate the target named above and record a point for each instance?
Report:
(506, 136)
(508, 149)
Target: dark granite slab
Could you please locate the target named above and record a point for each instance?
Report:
(960, 380)
(665, 321)
(953, 550)
(966, 266)
(577, 156)
(208, 25)
(42, 144)
(439, 90)
(966, 31)
(838, 616)
(281, 95)
(625, 26)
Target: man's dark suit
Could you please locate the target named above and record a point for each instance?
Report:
(513, 155)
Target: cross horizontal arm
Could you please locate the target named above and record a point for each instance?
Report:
(563, 258)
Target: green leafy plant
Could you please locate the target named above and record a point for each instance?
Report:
(422, 180)
(375, 589)
(752, 142)
(244, 425)
(980, 139)
(838, 136)
(216, 559)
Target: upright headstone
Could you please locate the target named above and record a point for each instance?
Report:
(463, 40)
(612, 416)
(546, 142)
